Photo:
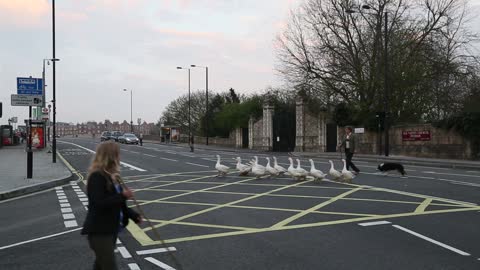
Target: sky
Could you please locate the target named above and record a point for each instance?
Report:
(105, 46)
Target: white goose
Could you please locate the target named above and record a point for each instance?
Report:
(346, 174)
(336, 175)
(301, 171)
(317, 174)
(222, 169)
(271, 170)
(279, 168)
(244, 169)
(291, 170)
(257, 169)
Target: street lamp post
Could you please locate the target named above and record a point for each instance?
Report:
(131, 109)
(206, 105)
(190, 139)
(54, 101)
(44, 91)
(49, 123)
(386, 79)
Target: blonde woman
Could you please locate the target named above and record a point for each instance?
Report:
(107, 213)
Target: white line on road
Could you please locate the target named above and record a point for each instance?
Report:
(40, 238)
(124, 252)
(156, 250)
(133, 266)
(159, 263)
(134, 152)
(195, 164)
(169, 159)
(91, 151)
(70, 223)
(463, 253)
(66, 210)
(453, 174)
(149, 155)
(68, 216)
(383, 222)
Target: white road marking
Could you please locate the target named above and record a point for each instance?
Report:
(156, 250)
(118, 241)
(169, 159)
(159, 263)
(453, 174)
(85, 203)
(83, 199)
(66, 210)
(65, 205)
(68, 216)
(91, 151)
(82, 195)
(40, 238)
(133, 266)
(149, 155)
(70, 223)
(62, 197)
(383, 222)
(124, 252)
(463, 253)
(134, 152)
(58, 188)
(195, 164)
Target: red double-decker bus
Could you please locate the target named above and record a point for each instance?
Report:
(6, 134)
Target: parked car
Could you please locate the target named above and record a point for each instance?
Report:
(128, 138)
(105, 136)
(114, 136)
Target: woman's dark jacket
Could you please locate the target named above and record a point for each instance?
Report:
(104, 206)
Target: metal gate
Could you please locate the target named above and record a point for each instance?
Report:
(244, 137)
(331, 137)
(284, 130)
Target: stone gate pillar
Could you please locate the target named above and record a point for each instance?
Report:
(300, 125)
(267, 132)
(250, 133)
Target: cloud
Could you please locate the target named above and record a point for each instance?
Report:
(24, 13)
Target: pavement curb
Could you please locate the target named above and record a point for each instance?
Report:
(37, 187)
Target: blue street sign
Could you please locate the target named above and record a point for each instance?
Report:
(29, 86)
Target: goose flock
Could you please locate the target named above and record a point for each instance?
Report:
(297, 173)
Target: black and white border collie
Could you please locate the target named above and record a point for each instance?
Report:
(390, 166)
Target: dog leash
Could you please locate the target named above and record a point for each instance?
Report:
(178, 265)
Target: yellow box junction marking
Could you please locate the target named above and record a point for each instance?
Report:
(145, 240)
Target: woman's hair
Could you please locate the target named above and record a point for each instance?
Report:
(107, 158)
(349, 128)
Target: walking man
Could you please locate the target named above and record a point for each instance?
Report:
(141, 139)
(349, 142)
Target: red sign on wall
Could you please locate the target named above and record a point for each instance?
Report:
(423, 135)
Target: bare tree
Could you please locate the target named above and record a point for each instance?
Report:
(338, 54)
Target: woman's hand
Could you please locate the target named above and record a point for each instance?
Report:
(127, 193)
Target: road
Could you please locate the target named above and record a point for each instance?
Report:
(427, 220)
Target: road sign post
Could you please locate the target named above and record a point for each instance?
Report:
(26, 100)
(29, 93)
(29, 86)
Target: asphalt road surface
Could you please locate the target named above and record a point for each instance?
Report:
(427, 220)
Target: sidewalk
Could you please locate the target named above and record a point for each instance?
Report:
(13, 172)
(432, 162)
